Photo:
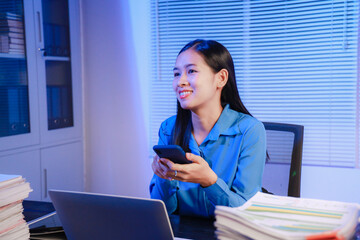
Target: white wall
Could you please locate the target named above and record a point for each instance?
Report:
(116, 155)
(331, 183)
(141, 30)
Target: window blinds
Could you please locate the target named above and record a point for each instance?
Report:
(295, 62)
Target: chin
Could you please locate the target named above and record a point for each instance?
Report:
(185, 105)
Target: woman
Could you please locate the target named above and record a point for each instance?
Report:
(226, 145)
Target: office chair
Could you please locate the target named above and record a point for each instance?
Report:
(282, 173)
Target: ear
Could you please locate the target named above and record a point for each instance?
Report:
(222, 78)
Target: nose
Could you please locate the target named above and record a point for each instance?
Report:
(183, 81)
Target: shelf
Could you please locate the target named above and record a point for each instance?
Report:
(10, 55)
(55, 58)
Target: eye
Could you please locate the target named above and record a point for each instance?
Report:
(176, 74)
(192, 71)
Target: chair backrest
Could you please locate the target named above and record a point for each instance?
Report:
(282, 173)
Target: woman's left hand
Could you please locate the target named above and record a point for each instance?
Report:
(198, 171)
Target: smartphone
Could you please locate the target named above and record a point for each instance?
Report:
(173, 152)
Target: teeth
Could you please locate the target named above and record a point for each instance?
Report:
(184, 93)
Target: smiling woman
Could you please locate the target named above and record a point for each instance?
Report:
(226, 145)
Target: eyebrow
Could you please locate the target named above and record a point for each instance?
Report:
(186, 66)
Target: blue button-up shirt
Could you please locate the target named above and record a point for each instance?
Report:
(235, 149)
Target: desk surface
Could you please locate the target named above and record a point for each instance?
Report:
(183, 227)
(192, 228)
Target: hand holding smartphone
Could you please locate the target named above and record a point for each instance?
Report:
(173, 152)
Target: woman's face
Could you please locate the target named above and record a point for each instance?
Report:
(195, 83)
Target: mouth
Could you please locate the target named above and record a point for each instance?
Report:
(184, 94)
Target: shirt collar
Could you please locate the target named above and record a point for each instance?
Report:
(226, 124)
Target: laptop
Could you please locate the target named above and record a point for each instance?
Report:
(99, 216)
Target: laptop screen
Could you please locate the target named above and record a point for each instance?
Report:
(100, 216)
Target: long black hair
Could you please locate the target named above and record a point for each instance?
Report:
(217, 57)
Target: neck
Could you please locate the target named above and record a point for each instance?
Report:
(203, 121)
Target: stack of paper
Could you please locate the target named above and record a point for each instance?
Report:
(11, 33)
(13, 189)
(267, 216)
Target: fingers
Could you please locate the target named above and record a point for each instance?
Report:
(167, 162)
(169, 173)
(167, 169)
(161, 168)
(182, 167)
(158, 168)
(194, 158)
(158, 171)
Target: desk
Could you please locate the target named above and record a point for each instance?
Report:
(192, 227)
(183, 227)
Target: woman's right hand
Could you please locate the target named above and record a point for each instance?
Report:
(160, 169)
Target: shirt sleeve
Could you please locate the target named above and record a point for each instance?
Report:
(164, 189)
(248, 178)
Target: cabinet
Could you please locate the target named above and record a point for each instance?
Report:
(26, 164)
(40, 94)
(61, 167)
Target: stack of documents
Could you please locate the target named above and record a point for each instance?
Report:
(267, 216)
(11, 33)
(13, 190)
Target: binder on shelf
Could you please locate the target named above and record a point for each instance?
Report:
(56, 102)
(66, 107)
(13, 110)
(65, 40)
(54, 107)
(49, 39)
(57, 40)
(24, 109)
(18, 110)
(266, 216)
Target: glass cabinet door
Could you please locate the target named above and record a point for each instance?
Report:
(14, 87)
(56, 52)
